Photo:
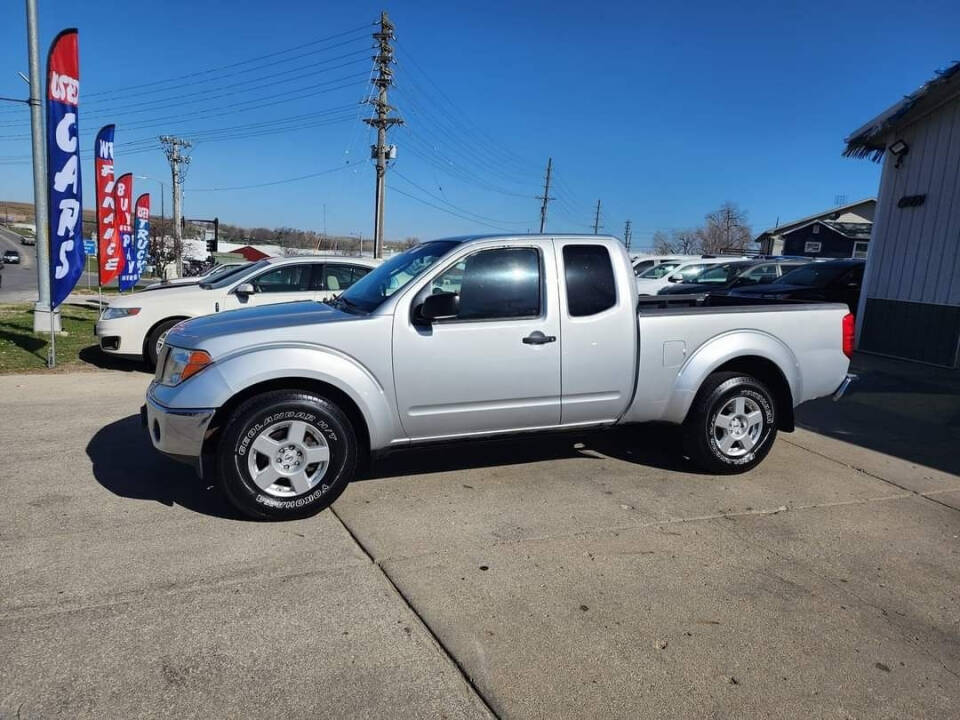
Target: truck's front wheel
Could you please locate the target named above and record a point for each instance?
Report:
(731, 425)
(286, 454)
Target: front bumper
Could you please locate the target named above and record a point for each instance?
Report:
(177, 432)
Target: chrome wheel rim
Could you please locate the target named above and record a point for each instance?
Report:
(737, 427)
(288, 459)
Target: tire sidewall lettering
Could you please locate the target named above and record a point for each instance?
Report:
(766, 407)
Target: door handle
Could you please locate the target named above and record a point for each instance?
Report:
(538, 338)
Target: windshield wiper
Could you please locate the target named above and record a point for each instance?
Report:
(346, 304)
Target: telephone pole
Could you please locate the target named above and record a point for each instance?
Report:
(174, 147)
(627, 235)
(596, 220)
(381, 152)
(546, 195)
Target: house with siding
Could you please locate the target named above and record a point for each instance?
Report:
(910, 302)
(839, 232)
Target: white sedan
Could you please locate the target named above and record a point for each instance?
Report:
(134, 325)
(651, 281)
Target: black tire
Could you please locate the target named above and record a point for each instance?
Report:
(703, 438)
(325, 424)
(150, 344)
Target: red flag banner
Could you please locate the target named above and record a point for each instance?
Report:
(109, 256)
(123, 201)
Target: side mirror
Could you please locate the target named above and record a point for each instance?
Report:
(244, 289)
(675, 278)
(442, 306)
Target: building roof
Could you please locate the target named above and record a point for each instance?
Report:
(870, 139)
(824, 215)
(852, 230)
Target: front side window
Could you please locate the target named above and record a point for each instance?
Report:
(588, 274)
(761, 274)
(286, 278)
(690, 273)
(723, 273)
(494, 284)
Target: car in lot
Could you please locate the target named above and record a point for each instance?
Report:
(214, 273)
(11, 257)
(135, 325)
(656, 278)
(473, 337)
(734, 274)
(836, 281)
(642, 263)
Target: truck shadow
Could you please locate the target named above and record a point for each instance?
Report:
(649, 445)
(93, 355)
(126, 464)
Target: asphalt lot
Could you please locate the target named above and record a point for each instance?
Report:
(582, 577)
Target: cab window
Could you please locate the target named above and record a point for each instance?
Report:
(588, 274)
(494, 284)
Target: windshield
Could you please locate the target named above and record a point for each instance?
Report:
(812, 275)
(222, 271)
(690, 273)
(722, 273)
(229, 277)
(369, 292)
(658, 271)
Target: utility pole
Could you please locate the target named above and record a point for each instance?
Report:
(381, 152)
(627, 235)
(174, 148)
(546, 195)
(44, 320)
(596, 220)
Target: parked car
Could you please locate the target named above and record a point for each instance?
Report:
(831, 281)
(11, 257)
(656, 278)
(462, 338)
(734, 274)
(135, 325)
(215, 273)
(642, 263)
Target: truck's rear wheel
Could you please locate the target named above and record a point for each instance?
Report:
(731, 425)
(286, 454)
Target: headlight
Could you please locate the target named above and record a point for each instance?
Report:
(182, 364)
(112, 313)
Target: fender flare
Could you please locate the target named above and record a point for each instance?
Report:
(255, 365)
(720, 350)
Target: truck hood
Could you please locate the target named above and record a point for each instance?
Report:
(264, 323)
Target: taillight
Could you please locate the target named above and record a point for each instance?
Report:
(849, 333)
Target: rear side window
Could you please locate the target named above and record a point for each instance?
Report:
(589, 277)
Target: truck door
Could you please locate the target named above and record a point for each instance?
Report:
(598, 324)
(495, 366)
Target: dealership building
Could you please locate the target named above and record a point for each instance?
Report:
(910, 303)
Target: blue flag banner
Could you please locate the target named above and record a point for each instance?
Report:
(141, 233)
(67, 254)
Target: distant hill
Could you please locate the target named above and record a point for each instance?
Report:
(13, 212)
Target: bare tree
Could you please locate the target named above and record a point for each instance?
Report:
(726, 229)
(679, 242)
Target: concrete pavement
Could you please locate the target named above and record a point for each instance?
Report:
(589, 576)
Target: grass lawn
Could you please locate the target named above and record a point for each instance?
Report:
(22, 351)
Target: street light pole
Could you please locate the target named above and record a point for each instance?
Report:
(43, 317)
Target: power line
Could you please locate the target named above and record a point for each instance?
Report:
(447, 202)
(274, 182)
(450, 212)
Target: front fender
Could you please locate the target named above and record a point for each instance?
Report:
(720, 350)
(237, 371)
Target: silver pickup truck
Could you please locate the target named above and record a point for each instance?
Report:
(473, 337)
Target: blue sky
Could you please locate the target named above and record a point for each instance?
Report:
(661, 110)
